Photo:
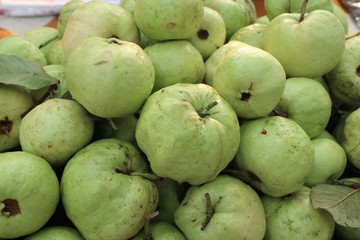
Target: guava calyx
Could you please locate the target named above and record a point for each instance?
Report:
(6, 126)
(10, 207)
(209, 211)
(203, 34)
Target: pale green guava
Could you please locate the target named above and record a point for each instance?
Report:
(168, 19)
(29, 193)
(312, 110)
(65, 14)
(252, 34)
(14, 101)
(294, 217)
(19, 46)
(350, 137)
(109, 77)
(160, 231)
(55, 130)
(186, 67)
(225, 208)
(276, 154)
(310, 47)
(188, 132)
(251, 80)
(104, 193)
(99, 19)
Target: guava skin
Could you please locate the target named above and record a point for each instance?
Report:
(168, 19)
(211, 34)
(344, 79)
(186, 67)
(14, 102)
(188, 132)
(250, 80)
(56, 233)
(294, 217)
(311, 110)
(29, 193)
(161, 231)
(19, 46)
(252, 34)
(65, 14)
(330, 162)
(55, 130)
(99, 19)
(216, 57)
(276, 153)
(238, 211)
(109, 77)
(302, 48)
(101, 196)
(349, 138)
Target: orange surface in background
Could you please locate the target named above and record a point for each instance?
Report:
(259, 4)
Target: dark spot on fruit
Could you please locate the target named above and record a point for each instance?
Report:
(358, 71)
(11, 208)
(203, 34)
(263, 132)
(100, 63)
(194, 220)
(49, 146)
(171, 25)
(162, 90)
(6, 126)
(185, 203)
(137, 115)
(245, 96)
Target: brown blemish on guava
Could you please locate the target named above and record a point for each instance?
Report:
(100, 63)
(171, 25)
(245, 96)
(203, 34)
(264, 132)
(358, 71)
(11, 208)
(6, 126)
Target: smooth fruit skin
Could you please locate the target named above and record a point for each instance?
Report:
(109, 77)
(251, 80)
(344, 79)
(168, 19)
(99, 194)
(55, 232)
(19, 46)
(186, 67)
(350, 138)
(303, 47)
(252, 34)
(238, 211)
(162, 231)
(32, 182)
(184, 141)
(276, 153)
(330, 162)
(99, 19)
(293, 217)
(311, 110)
(55, 130)
(14, 102)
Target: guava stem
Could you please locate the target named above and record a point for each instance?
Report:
(352, 35)
(205, 112)
(112, 123)
(277, 112)
(148, 218)
(303, 10)
(209, 211)
(151, 216)
(42, 99)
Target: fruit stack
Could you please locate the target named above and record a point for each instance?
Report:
(191, 119)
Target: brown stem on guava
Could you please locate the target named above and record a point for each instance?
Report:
(10, 207)
(277, 112)
(205, 112)
(52, 87)
(209, 211)
(148, 176)
(352, 35)
(303, 11)
(112, 123)
(148, 218)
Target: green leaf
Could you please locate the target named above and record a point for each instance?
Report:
(342, 202)
(20, 71)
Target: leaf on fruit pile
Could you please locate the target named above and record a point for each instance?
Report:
(20, 71)
(342, 202)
